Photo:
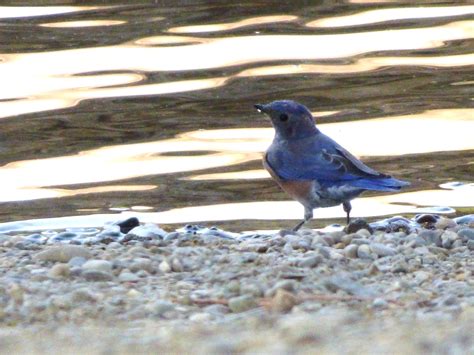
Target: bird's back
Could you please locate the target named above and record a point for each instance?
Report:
(320, 158)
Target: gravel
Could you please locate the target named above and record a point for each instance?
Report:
(210, 291)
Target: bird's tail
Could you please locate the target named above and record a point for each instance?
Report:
(380, 184)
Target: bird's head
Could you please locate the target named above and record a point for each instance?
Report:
(290, 119)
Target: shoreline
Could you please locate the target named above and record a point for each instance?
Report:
(407, 289)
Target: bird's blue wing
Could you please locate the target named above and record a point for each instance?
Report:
(319, 159)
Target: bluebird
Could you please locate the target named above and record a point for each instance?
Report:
(311, 167)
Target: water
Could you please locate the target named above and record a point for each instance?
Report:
(148, 109)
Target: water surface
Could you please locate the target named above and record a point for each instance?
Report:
(149, 108)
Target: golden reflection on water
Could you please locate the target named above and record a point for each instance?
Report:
(29, 11)
(233, 25)
(89, 23)
(362, 65)
(225, 147)
(50, 80)
(395, 14)
(35, 193)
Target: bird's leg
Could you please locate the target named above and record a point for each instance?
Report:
(308, 214)
(347, 208)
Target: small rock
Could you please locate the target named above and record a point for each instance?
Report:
(62, 253)
(470, 244)
(380, 303)
(422, 276)
(467, 219)
(77, 261)
(164, 267)
(466, 234)
(382, 250)
(287, 249)
(350, 251)
(431, 236)
(59, 270)
(310, 261)
(426, 219)
(346, 239)
(283, 301)
(373, 269)
(399, 266)
(242, 303)
(346, 284)
(364, 233)
(149, 230)
(83, 295)
(363, 252)
(126, 276)
(200, 317)
(98, 265)
(141, 264)
(251, 289)
(16, 292)
(448, 238)
(356, 225)
(176, 265)
(128, 224)
(444, 223)
(160, 307)
(114, 245)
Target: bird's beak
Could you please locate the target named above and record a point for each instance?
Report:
(260, 108)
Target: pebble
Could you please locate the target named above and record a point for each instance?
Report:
(63, 253)
(382, 250)
(329, 279)
(201, 317)
(126, 276)
(59, 270)
(128, 224)
(465, 220)
(98, 265)
(363, 252)
(160, 307)
(448, 238)
(77, 261)
(466, 234)
(149, 230)
(242, 303)
(350, 251)
(399, 266)
(358, 224)
(310, 261)
(444, 223)
(380, 303)
(283, 301)
(164, 267)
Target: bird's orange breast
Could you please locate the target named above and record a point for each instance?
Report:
(300, 191)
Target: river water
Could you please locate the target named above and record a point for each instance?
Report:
(148, 109)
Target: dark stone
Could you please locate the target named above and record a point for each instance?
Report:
(426, 220)
(395, 224)
(358, 224)
(127, 225)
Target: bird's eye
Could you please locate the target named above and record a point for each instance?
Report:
(283, 117)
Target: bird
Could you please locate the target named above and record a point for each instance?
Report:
(313, 168)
